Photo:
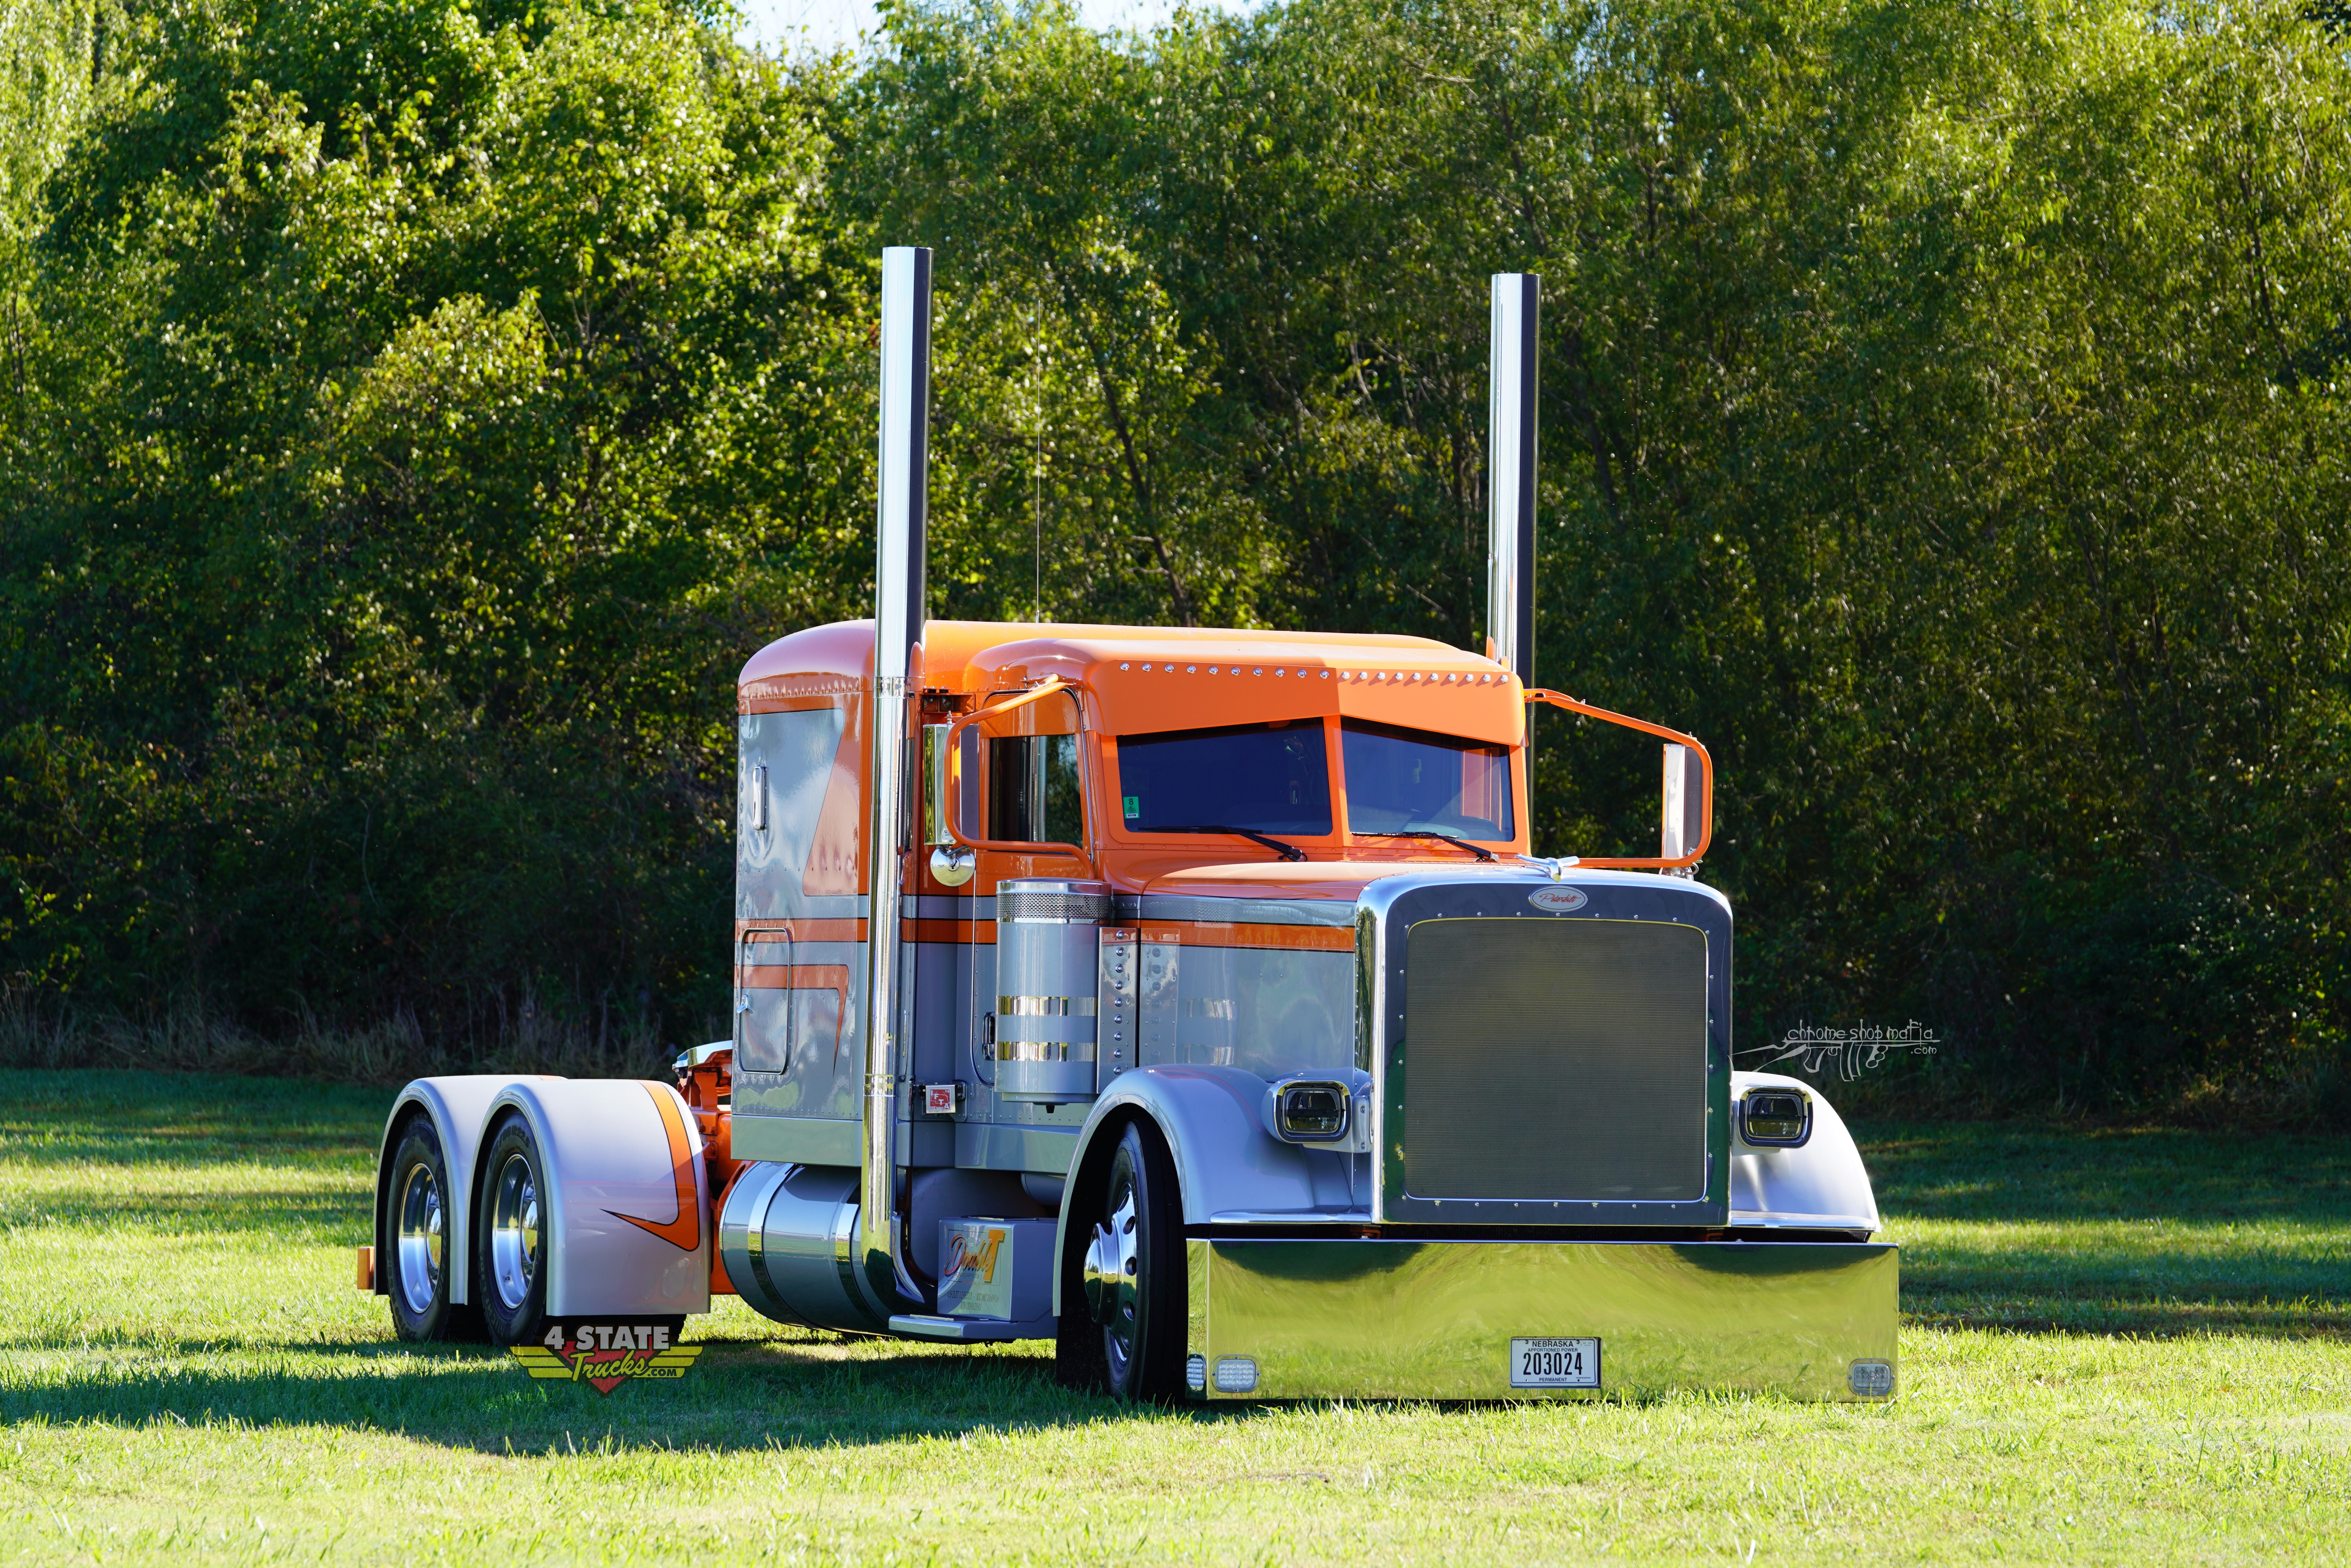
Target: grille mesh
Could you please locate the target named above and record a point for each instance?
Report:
(1555, 1060)
(1064, 907)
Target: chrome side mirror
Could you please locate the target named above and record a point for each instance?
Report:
(1683, 805)
(952, 865)
(934, 784)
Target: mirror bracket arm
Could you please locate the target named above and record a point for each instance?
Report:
(954, 742)
(1706, 766)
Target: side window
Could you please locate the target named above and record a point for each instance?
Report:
(1033, 793)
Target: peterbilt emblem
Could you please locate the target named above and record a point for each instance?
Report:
(1558, 900)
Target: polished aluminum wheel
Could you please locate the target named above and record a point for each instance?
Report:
(422, 1239)
(1113, 1270)
(513, 1231)
(1111, 1266)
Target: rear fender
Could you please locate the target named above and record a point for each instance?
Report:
(627, 1205)
(1228, 1167)
(458, 1108)
(1822, 1186)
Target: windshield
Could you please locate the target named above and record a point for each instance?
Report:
(1403, 780)
(1274, 778)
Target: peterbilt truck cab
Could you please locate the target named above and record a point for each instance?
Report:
(1191, 999)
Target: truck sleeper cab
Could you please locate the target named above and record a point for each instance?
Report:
(1189, 998)
(1225, 877)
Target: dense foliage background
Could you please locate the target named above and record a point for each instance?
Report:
(411, 413)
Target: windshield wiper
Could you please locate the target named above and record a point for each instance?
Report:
(1432, 833)
(1287, 852)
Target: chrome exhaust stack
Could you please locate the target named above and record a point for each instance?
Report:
(1513, 381)
(900, 517)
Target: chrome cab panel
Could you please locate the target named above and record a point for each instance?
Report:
(1387, 913)
(785, 764)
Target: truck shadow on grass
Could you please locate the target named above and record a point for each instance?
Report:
(739, 1396)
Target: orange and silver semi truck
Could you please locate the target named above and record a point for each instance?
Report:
(1191, 999)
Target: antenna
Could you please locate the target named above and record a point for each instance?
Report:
(1037, 471)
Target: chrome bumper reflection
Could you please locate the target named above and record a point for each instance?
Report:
(1435, 1320)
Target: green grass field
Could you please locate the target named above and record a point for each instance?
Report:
(2118, 1347)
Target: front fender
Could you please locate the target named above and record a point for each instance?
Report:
(1229, 1169)
(627, 1206)
(1822, 1186)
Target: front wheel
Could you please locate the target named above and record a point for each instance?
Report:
(1135, 1276)
(511, 1249)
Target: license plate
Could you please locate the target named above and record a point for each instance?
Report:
(1554, 1364)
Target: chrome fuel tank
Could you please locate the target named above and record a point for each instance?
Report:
(786, 1235)
(1048, 940)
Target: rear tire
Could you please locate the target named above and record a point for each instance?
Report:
(419, 1230)
(1135, 1274)
(512, 1239)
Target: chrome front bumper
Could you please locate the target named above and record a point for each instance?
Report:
(1406, 1320)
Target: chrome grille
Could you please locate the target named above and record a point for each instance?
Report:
(1549, 1058)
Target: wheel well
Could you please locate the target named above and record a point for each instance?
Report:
(410, 1113)
(1091, 1169)
(480, 1175)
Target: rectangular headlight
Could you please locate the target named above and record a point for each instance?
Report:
(1310, 1111)
(1775, 1118)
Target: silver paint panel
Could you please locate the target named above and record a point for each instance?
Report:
(797, 1140)
(1215, 910)
(1274, 1012)
(605, 1150)
(1000, 1146)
